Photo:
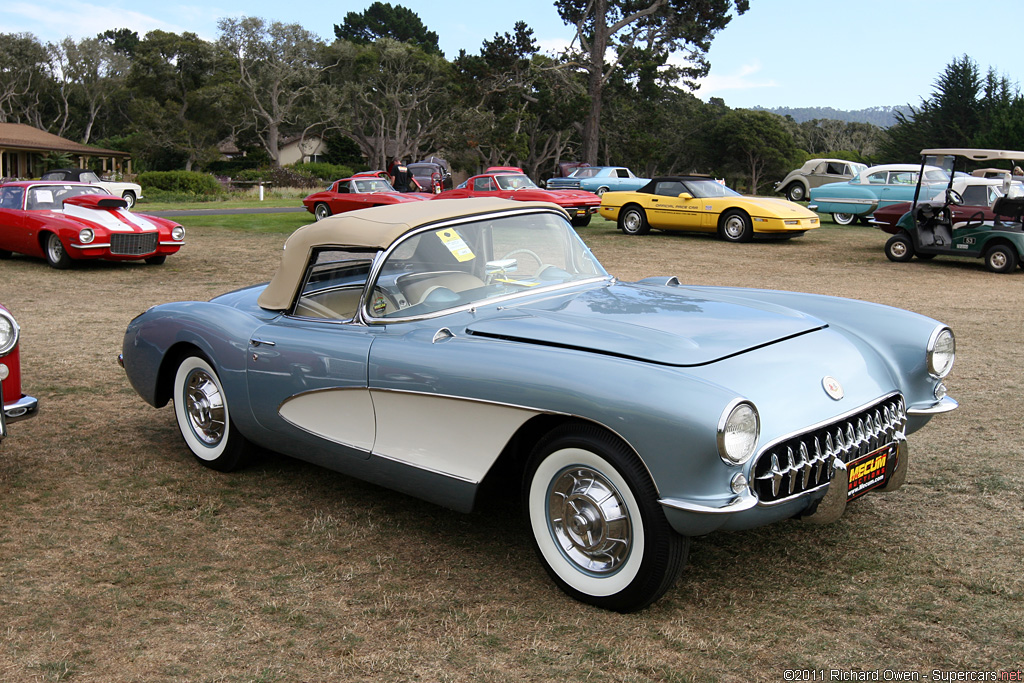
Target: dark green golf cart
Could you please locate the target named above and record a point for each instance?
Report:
(935, 228)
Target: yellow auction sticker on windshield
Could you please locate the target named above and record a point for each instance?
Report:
(453, 240)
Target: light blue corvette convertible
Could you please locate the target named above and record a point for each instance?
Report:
(599, 179)
(875, 188)
(454, 348)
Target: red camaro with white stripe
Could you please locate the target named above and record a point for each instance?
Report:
(65, 222)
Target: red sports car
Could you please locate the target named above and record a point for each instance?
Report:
(64, 222)
(15, 405)
(357, 192)
(579, 203)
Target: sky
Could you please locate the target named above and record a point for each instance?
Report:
(845, 54)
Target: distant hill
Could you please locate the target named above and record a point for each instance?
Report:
(882, 117)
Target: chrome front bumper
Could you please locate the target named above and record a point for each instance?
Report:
(25, 407)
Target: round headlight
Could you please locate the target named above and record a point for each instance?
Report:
(8, 333)
(178, 233)
(738, 431)
(86, 235)
(941, 352)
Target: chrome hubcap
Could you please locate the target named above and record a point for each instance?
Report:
(56, 249)
(204, 405)
(899, 249)
(589, 520)
(632, 222)
(998, 260)
(734, 227)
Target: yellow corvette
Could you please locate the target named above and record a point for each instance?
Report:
(702, 204)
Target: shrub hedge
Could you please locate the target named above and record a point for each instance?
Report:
(184, 182)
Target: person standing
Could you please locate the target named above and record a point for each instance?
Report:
(399, 173)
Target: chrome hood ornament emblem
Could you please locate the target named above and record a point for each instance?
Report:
(832, 387)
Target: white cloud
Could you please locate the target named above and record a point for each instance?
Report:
(59, 19)
(746, 78)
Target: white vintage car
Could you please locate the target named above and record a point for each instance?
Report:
(130, 192)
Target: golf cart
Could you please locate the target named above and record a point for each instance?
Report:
(934, 227)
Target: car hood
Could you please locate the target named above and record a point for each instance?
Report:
(680, 326)
(782, 208)
(113, 220)
(529, 195)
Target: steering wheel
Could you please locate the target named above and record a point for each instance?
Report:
(532, 254)
(954, 197)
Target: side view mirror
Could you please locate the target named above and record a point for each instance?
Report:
(685, 196)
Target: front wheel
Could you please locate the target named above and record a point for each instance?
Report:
(157, 260)
(56, 256)
(899, 249)
(581, 221)
(795, 192)
(596, 523)
(1001, 259)
(201, 409)
(843, 218)
(321, 211)
(735, 226)
(633, 221)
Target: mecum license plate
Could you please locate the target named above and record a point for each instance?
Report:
(870, 471)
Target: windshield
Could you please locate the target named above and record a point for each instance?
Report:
(372, 185)
(710, 188)
(514, 182)
(51, 197)
(479, 262)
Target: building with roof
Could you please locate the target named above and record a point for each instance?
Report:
(23, 147)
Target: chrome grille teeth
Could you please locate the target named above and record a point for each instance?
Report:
(807, 461)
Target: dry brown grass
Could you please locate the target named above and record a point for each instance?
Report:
(121, 559)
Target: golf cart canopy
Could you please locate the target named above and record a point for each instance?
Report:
(976, 154)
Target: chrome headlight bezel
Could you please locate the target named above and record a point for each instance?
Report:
(9, 332)
(739, 429)
(86, 235)
(941, 352)
(177, 233)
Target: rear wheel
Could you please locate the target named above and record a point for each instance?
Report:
(899, 248)
(201, 409)
(4, 254)
(1001, 259)
(735, 226)
(795, 192)
(843, 218)
(601, 190)
(321, 211)
(633, 221)
(129, 197)
(55, 254)
(596, 523)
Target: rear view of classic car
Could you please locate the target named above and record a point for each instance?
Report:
(453, 349)
(16, 405)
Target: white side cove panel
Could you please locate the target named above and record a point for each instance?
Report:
(456, 437)
(343, 416)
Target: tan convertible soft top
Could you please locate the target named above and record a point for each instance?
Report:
(376, 227)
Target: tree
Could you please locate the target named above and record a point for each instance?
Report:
(391, 98)
(276, 74)
(24, 79)
(651, 30)
(90, 71)
(753, 145)
(381, 20)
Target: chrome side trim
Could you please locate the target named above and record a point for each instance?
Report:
(743, 501)
(944, 406)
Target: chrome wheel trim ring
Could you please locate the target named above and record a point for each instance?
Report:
(843, 218)
(204, 407)
(998, 260)
(589, 521)
(631, 221)
(54, 249)
(734, 227)
(898, 248)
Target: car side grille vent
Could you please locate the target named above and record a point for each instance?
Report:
(133, 244)
(805, 462)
